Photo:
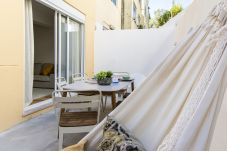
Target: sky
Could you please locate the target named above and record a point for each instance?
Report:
(166, 4)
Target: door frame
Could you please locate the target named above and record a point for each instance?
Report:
(65, 9)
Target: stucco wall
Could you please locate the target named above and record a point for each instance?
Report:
(134, 51)
(11, 62)
(108, 14)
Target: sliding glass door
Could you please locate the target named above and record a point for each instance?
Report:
(74, 49)
(69, 47)
(63, 48)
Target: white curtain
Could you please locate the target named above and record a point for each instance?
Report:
(29, 52)
(176, 107)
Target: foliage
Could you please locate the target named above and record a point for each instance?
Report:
(162, 16)
(103, 74)
(140, 26)
(177, 8)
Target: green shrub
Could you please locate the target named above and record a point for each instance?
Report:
(177, 8)
(165, 16)
(103, 74)
(162, 16)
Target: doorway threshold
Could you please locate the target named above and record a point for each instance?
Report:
(37, 107)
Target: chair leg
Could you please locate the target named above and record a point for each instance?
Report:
(103, 104)
(60, 141)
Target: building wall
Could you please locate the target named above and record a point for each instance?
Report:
(11, 62)
(127, 16)
(129, 21)
(12, 57)
(108, 14)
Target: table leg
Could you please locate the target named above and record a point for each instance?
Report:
(64, 94)
(132, 85)
(113, 100)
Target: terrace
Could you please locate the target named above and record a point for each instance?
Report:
(168, 87)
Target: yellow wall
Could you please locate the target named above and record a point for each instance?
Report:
(12, 57)
(11, 62)
(129, 23)
(108, 14)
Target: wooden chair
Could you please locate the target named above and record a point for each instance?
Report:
(75, 120)
(79, 77)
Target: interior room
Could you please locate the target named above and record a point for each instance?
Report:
(43, 79)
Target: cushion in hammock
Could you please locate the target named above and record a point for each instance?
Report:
(117, 138)
(77, 147)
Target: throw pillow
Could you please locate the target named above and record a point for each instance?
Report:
(77, 147)
(117, 138)
(47, 68)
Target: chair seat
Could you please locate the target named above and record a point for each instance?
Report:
(76, 119)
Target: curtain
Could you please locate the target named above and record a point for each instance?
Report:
(29, 52)
(176, 107)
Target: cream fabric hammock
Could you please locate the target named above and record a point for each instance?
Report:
(176, 106)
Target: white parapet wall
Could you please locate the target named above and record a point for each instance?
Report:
(133, 51)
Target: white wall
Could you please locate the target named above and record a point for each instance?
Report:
(134, 51)
(43, 44)
(43, 19)
(42, 15)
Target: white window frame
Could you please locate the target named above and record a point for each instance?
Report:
(134, 14)
(65, 9)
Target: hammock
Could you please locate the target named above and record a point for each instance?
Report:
(176, 107)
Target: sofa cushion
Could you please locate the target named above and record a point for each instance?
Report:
(41, 78)
(37, 68)
(47, 69)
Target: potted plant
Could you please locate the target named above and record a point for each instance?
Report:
(104, 78)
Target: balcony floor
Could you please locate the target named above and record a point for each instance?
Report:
(38, 134)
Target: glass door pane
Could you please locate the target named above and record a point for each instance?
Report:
(69, 51)
(74, 48)
(63, 64)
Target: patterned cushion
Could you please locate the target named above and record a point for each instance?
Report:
(118, 138)
(77, 147)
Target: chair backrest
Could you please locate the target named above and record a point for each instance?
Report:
(79, 76)
(78, 101)
(60, 82)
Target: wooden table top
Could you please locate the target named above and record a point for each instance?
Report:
(83, 86)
